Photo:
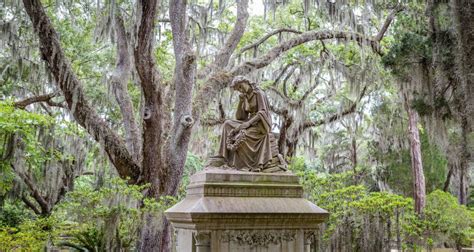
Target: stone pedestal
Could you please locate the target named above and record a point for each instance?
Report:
(228, 210)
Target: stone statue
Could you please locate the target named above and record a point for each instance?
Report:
(247, 142)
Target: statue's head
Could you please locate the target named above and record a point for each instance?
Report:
(242, 84)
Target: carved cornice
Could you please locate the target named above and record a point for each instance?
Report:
(246, 190)
(258, 237)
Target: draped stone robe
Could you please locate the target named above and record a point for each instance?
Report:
(255, 151)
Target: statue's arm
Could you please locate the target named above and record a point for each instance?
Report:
(250, 122)
(262, 110)
(240, 114)
(253, 120)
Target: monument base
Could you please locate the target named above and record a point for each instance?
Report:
(228, 210)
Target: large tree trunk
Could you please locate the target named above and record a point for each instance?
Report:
(154, 167)
(463, 12)
(419, 193)
(291, 148)
(119, 81)
(282, 140)
(447, 182)
(464, 180)
(159, 163)
(72, 89)
(354, 153)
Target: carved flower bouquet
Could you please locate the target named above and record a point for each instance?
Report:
(235, 139)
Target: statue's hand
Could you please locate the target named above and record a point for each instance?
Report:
(243, 126)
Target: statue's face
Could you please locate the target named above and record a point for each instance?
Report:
(242, 87)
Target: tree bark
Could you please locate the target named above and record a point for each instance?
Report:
(119, 81)
(354, 153)
(286, 123)
(265, 38)
(387, 22)
(223, 56)
(447, 182)
(416, 161)
(72, 89)
(220, 79)
(184, 79)
(39, 98)
(464, 180)
(463, 12)
(154, 168)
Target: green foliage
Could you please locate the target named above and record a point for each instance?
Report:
(164, 58)
(89, 218)
(398, 171)
(444, 221)
(425, 109)
(22, 123)
(382, 203)
(31, 235)
(193, 164)
(411, 49)
(351, 205)
(12, 214)
(392, 154)
(29, 128)
(354, 209)
(92, 216)
(297, 165)
(88, 214)
(349, 53)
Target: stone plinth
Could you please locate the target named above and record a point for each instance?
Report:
(228, 210)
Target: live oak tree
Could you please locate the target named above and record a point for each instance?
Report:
(37, 151)
(430, 62)
(156, 152)
(332, 100)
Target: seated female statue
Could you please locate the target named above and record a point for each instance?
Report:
(245, 142)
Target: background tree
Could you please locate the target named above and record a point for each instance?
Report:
(146, 81)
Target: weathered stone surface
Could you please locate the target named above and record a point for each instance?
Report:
(228, 210)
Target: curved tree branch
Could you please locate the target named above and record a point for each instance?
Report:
(285, 81)
(40, 98)
(387, 22)
(347, 111)
(264, 38)
(219, 80)
(150, 82)
(222, 58)
(35, 193)
(184, 79)
(283, 71)
(119, 81)
(72, 89)
(56, 104)
(263, 61)
(295, 103)
(210, 122)
(30, 204)
(287, 100)
(332, 118)
(313, 87)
